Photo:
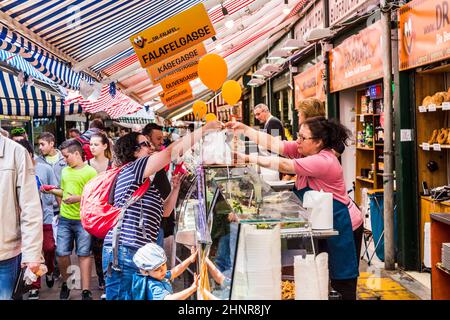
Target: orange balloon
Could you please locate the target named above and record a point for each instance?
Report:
(231, 92)
(212, 70)
(199, 109)
(210, 117)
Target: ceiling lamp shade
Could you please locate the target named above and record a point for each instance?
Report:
(270, 67)
(278, 54)
(286, 9)
(261, 74)
(293, 44)
(254, 82)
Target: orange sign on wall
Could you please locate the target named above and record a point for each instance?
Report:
(357, 60)
(424, 34)
(309, 84)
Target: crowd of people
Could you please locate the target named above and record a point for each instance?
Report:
(48, 188)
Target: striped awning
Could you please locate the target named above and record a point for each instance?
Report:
(93, 35)
(117, 106)
(20, 100)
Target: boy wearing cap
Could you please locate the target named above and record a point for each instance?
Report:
(153, 281)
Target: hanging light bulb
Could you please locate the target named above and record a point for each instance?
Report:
(286, 9)
(229, 23)
(218, 45)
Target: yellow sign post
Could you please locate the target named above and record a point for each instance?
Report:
(172, 35)
(168, 97)
(173, 64)
(186, 74)
(180, 101)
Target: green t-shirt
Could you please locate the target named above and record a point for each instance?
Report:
(52, 159)
(73, 182)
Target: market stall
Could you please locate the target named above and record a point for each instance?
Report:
(240, 225)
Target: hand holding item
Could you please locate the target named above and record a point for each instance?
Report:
(235, 125)
(194, 285)
(240, 157)
(193, 256)
(176, 180)
(71, 199)
(213, 126)
(45, 188)
(33, 266)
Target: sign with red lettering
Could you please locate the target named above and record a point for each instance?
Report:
(424, 34)
(309, 84)
(357, 60)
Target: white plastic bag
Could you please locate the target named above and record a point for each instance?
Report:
(216, 149)
(320, 206)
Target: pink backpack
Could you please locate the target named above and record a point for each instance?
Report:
(98, 215)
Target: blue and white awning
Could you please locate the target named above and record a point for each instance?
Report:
(16, 100)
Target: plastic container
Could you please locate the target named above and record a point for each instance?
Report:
(377, 223)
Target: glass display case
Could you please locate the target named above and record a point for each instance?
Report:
(237, 221)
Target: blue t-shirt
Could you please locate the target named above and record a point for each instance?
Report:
(46, 175)
(150, 205)
(148, 288)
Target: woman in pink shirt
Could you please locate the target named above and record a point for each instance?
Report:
(312, 159)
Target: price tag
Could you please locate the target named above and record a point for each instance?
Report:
(446, 106)
(431, 108)
(426, 146)
(361, 118)
(422, 109)
(436, 147)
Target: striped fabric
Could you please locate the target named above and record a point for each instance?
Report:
(29, 101)
(83, 28)
(115, 107)
(128, 57)
(19, 63)
(41, 60)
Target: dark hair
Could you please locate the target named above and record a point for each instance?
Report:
(105, 140)
(125, 147)
(150, 127)
(47, 136)
(97, 123)
(74, 130)
(27, 145)
(332, 134)
(72, 146)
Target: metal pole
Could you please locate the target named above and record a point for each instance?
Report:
(388, 181)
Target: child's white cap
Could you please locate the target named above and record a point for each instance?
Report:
(150, 257)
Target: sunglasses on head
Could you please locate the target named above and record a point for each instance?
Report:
(143, 144)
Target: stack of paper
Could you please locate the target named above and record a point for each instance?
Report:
(311, 277)
(258, 265)
(446, 255)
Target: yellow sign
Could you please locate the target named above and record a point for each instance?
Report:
(172, 35)
(180, 101)
(168, 97)
(172, 65)
(187, 73)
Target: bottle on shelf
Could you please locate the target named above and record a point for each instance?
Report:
(364, 132)
(380, 160)
(370, 107)
(369, 135)
(363, 104)
(379, 134)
